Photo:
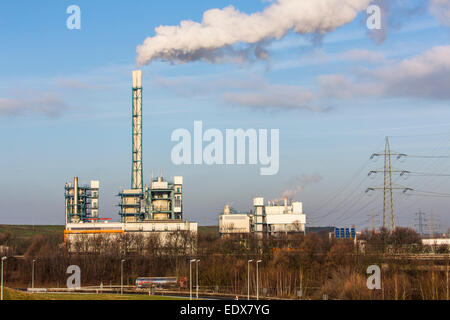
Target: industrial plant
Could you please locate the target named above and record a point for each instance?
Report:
(273, 218)
(156, 208)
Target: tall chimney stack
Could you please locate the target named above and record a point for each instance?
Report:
(136, 171)
(75, 195)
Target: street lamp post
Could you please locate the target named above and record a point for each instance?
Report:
(196, 262)
(3, 259)
(32, 274)
(248, 279)
(121, 276)
(190, 278)
(257, 280)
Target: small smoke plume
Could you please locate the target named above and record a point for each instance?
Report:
(222, 30)
(299, 183)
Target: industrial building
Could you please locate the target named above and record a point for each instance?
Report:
(81, 201)
(264, 219)
(161, 200)
(156, 208)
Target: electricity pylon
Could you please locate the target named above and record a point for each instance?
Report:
(388, 197)
(421, 223)
(388, 180)
(434, 224)
(372, 219)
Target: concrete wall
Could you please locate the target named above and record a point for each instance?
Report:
(81, 232)
(234, 223)
(436, 242)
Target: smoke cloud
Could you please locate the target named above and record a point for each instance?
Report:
(228, 33)
(299, 183)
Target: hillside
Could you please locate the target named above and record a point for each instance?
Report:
(28, 231)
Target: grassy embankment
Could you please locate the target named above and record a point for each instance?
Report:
(11, 294)
(28, 231)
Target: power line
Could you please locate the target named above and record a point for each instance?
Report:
(345, 186)
(424, 174)
(425, 157)
(434, 193)
(340, 192)
(351, 194)
(430, 166)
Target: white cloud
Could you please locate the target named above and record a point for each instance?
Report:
(248, 91)
(441, 10)
(32, 103)
(274, 96)
(424, 76)
(320, 57)
(71, 83)
(362, 55)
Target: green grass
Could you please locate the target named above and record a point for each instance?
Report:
(11, 294)
(28, 231)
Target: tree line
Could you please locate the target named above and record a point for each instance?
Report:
(292, 264)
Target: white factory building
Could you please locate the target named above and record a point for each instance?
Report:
(273, 218)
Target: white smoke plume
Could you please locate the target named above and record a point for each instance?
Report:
(213, 39)
(299, 183)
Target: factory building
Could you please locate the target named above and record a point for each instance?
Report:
(162, 200)
(264, 219)
(153, 209)
(81, 201)
(161, 213)
(232, 222)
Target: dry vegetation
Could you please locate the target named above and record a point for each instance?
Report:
(10, 294)
(313, 264)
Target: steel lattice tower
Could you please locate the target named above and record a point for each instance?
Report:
(421, 220)
(136, 170)
(388, 186)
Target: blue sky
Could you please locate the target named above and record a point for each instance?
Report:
(65, 109)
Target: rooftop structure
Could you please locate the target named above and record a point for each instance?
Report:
(265, 219)
(162, 200)
(81, 202)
